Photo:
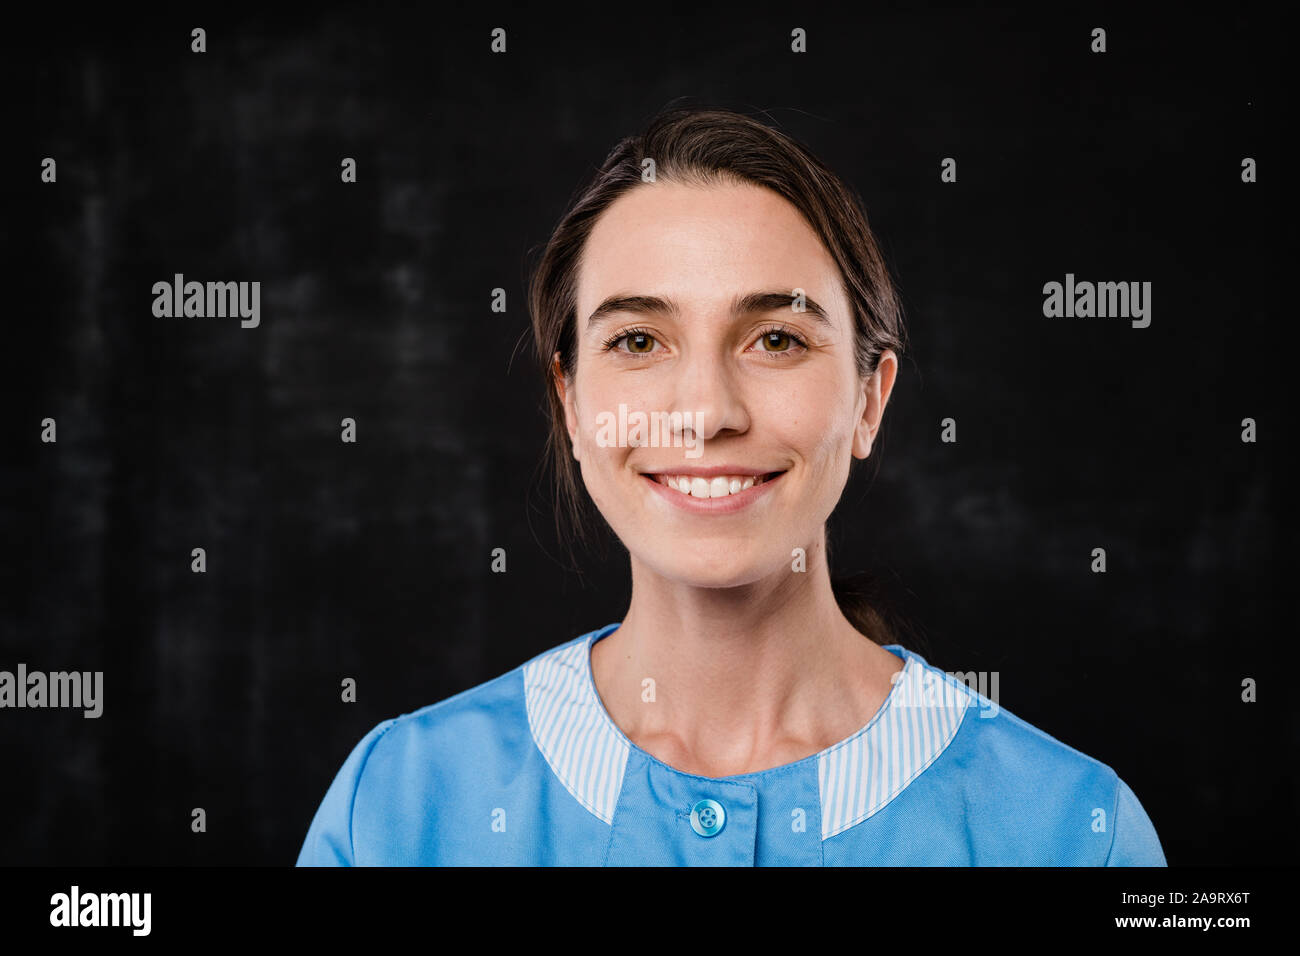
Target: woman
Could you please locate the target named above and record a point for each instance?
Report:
(720, 337)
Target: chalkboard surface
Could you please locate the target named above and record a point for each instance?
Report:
(327, 560)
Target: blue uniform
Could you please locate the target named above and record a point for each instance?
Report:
(529, 769)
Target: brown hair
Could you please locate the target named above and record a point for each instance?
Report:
(705, 147)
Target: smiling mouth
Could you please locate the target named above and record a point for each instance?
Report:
(723, 486)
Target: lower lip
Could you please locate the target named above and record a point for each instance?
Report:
(725, 505)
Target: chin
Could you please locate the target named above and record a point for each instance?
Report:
(725, 565)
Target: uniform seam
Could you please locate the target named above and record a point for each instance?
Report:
(821, 844)
(1045, 737)
(352, 804)
(609, 843)
(1114, 821)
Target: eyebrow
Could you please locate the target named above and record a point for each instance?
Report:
(740, 305)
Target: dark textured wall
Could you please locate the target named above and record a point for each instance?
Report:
(371, 560)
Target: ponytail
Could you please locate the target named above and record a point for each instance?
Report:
(866, 601)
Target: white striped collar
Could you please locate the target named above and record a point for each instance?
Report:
(856, 777)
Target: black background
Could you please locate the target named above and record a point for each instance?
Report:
(371, 560)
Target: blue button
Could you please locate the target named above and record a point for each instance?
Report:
(708, 818)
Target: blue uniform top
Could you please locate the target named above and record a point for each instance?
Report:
(529, 769)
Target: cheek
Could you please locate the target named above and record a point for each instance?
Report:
(598, 412)
(599, 459)
(596, 476)
(814, 421)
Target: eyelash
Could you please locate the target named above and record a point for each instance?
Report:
(612, 341)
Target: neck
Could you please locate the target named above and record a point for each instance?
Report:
(745, 678)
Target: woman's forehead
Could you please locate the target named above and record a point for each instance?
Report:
(701, 245)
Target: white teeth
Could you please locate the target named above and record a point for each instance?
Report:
(718, 487)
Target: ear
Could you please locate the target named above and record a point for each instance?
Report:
(564, 388)
(873, 398)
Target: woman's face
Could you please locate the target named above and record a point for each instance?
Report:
(765, 390)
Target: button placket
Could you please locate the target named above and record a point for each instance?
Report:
(666, 817)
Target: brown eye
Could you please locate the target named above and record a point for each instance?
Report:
(640, 343)
(778, 341)
(781, 344)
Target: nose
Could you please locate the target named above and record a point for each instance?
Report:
(708, 392)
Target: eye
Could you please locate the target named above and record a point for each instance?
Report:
(779, 341)
(640, 342)
(775, 341)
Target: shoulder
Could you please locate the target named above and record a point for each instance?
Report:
(467, 724)
(1015, 776)
(996, 737)
(411, 769)
(997, 733)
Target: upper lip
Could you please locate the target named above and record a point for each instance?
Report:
(713, 471)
